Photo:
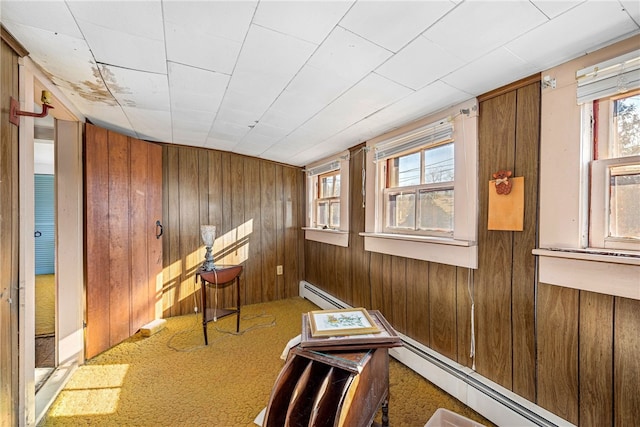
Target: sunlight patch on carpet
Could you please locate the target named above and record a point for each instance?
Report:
(73, 403)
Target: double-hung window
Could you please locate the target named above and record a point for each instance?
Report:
(421, 189)
(419, 185)
(327, 183)
(610, 94)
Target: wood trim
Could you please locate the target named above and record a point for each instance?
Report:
(534, 78)
(14, 44)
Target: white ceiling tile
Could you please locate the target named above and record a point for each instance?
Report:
(633, 9)
(152, 125)
(151, 90)
(138, 18)
(196, 89)
(553, 8)
(307, 20)
(419, 64)
(51, 16)
(493, 70)
(348, 56)
(207, 35)
(565, 37)
(477, 27)
(393, 24)
(125, 50)
(109, 117)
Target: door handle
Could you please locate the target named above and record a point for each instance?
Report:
(159, 229)
(37, 234)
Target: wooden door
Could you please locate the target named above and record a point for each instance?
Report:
(123, 193)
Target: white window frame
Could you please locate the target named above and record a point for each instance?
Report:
(565, 258)
(312, 231)
(459, 249)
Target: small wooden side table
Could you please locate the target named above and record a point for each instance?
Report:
(221, 276)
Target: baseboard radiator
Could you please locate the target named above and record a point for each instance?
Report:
(494, 402)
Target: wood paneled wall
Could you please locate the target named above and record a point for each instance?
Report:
(8, 238)
(572, 352)
(258, 209)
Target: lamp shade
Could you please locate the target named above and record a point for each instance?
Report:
(208, 233)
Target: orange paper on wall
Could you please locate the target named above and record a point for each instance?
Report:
(506, 211)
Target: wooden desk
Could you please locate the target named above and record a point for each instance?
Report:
(339, 389)
(222, 276)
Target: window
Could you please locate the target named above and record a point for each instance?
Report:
(327, 200)
(612, 116)
(421, 189)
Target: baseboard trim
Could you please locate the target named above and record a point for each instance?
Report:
(494, 402)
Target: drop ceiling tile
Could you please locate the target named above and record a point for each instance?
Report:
(151, 125)
(196, 89)
(109, 117)
(419, 63)
(207, 35)
(633, 9)
(554, 8)
(478, 27)
(147, 91)
(393, 24)
(51, 16)
(307, 20)
(348, 56)
(564, 38)
(493, 70)
(137, 18)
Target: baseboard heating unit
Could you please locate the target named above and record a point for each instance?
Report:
(494, 402)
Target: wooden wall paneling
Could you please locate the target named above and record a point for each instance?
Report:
(239, 255)
(171, 241)
(154, 213)
(343, 274)
(268, 233)
(496, 133)
(254, 269)
(417, 280)
(375, 278)
(595, 359)
(293, 240)
(626, 371)
(361, 291)
(9, 237)
(214, 192)
(523, 262)
(189, 228)
(557, 352)
(442, 316)
(138, 231)
(97, 247)
(119, 244)
(464, 292)
(280, 231)
(387, 289)
(399, 293)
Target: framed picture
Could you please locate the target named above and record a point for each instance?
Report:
(350, 321)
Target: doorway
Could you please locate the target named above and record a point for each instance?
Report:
(44, 242)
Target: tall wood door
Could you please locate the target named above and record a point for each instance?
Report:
(123, 194)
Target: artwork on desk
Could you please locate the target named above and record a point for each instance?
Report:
(351, 321)
(386, 336)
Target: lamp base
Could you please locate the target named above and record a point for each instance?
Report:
(207, 264)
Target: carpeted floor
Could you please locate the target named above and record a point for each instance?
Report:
(45, 304)
(172, 379)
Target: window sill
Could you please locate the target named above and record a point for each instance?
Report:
(606, 272)
(329, 236)
(460, 253)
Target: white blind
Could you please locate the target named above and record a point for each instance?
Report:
(432, 134)
(617, 75)
(324, 168)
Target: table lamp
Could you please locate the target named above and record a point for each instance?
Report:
(208, 233)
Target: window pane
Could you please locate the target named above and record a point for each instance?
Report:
(436, 210)
(404, 170)
(329, 186)
(401, 210)
(322, 213)
(335, 214)
(624, 204)
(438, 164)
(626, 131)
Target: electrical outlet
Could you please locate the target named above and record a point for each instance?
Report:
(279, 270)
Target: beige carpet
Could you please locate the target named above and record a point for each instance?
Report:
(172, 379)
(45, 304)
